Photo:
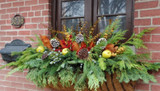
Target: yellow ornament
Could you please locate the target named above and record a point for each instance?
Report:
(106, 54)
(40, 49)
(65, 51)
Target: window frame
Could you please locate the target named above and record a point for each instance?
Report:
(91, 17)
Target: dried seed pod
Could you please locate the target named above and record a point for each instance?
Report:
(79, 38)
(55, 43)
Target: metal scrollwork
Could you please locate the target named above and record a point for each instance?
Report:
(17, 21)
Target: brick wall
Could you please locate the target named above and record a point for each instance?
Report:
(36, 13)
(147, 14)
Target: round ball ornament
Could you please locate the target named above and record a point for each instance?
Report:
(101, 40)
(65, 51)
(106, 54)
(55, 43)
(79, 38)
(40, 49)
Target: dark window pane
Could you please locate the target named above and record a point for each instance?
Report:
(111, 7)
(75, 23)
(73, 9)
(108, 20)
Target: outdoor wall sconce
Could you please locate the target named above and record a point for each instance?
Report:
(17, 21)
(15, 46)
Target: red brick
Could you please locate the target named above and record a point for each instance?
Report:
(2, 88)
(43, 1)
(3, 11)
(2, 77)
(141, 86)
(6, 5)
(22, 38)
(38, 7)
(155, 55)
(5, 83)
(136, 31)
(11, 0)
(38, 13)
(146, 38)
(153, 12)
(43, 26)
(2, 44)
(155, 87)
(21, 9)
(136, 14)
(10, 89)
(6, 16)
(17, 85)
(24, 14)
(24, 32)
(47, 6)
(31, 2)
(39, 20)
(12, 33)
(12, 10)
(47, 19)
(30, 14)
(27, 20)
(21, 90)
(18, 4)
(28, 39)
(11, 78)
(45, 13)
(12, 15)
(153, 46)
(2, 1)
(37, 32)
(22, 79)
(145, 5)
(142, 22)
(156, 21)
(5, 27)
(2, 22)
(5, 38)
(30, 26)
(20, 74)
(30, 86)
(155, 38)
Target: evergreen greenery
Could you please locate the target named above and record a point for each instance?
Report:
(70, 70)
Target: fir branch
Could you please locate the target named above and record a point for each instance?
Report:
(116, 37)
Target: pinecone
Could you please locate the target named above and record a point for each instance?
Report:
(79, 38)
(55, 43)
(44, 56)
(83, 53)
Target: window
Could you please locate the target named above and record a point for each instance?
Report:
(75, 12)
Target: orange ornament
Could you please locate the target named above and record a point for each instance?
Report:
(91, 44)
(63, 43)
(75, 46)
(110, 47)
(83, 45)
(46, 41)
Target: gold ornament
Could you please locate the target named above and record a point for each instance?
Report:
(120, 50)
(106, 54)
(114, 54)
(40, 49)
(65, 51)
